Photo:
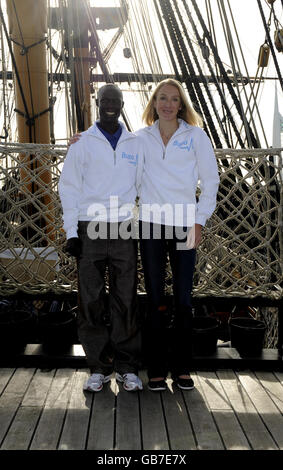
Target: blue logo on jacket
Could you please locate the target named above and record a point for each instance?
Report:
(184, 145)
(133, 159)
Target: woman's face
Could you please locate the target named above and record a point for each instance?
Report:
(167, 103)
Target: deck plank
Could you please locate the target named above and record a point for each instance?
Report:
(75, 428)
(5, 376)
(256, 432)
(225, 418)
(101, 429)
(128, 427)
(52, 417)
(273, 386)
(279, 376)
(12, 397)
(205, 429)
(48, 410)
(180, 432)
(154, 433)
(265, 407)
(38, 388)
(22, 428)
(26, 418)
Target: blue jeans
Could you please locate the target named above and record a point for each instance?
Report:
(167, 348)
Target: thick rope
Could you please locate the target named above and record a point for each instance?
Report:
(241, 254)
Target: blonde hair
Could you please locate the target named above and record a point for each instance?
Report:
(187, 113)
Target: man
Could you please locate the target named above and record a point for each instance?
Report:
(98, 187)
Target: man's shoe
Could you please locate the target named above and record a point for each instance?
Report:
(95, 382)
(184, 384)
(131, 382)
(157, 385)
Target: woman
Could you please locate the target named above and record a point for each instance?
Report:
(177, 155)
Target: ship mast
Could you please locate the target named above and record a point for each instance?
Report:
(28, 28)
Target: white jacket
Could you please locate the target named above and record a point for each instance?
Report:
(98, 183)
(171, 175)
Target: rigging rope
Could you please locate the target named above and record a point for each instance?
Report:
(215, 80)
(252, 86)
(168, 45)
(222, 70)
(184, 61)
(219, 85)
(145, 54)
(270, 44)
(236, 71)
(103, 65)
(69, 108)
(15, 66)
(51, 96)
(207, 114)
(4, 81)
(70, 48)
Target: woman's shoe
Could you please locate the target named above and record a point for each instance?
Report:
(184, 384)
(157, 385)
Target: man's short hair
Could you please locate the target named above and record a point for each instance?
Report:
(109, 85)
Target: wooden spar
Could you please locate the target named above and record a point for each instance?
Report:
(79, 21)
(82, 75)
(82, 80)
(28, 28)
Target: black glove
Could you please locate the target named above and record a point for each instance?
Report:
(74, 247)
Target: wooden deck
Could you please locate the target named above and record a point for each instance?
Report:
(228, 410)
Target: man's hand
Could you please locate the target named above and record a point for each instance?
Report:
(74, 247)
(73, 139)
(194, 236)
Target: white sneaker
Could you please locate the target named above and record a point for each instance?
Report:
(131, 382)
(95, 382)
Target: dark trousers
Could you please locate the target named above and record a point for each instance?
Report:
(167, 348)
(114, 346)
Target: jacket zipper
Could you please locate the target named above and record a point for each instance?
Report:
(127, 138)
(114, 151)
(162, 145)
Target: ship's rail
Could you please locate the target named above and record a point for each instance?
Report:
(241, 254)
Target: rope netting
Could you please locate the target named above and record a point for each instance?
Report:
(241, 254)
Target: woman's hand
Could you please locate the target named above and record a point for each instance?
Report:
(194, 236)
(73, 139)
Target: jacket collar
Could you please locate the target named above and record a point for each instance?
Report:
(183, 127)
(94, 131)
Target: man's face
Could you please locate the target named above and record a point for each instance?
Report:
(110, 104)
